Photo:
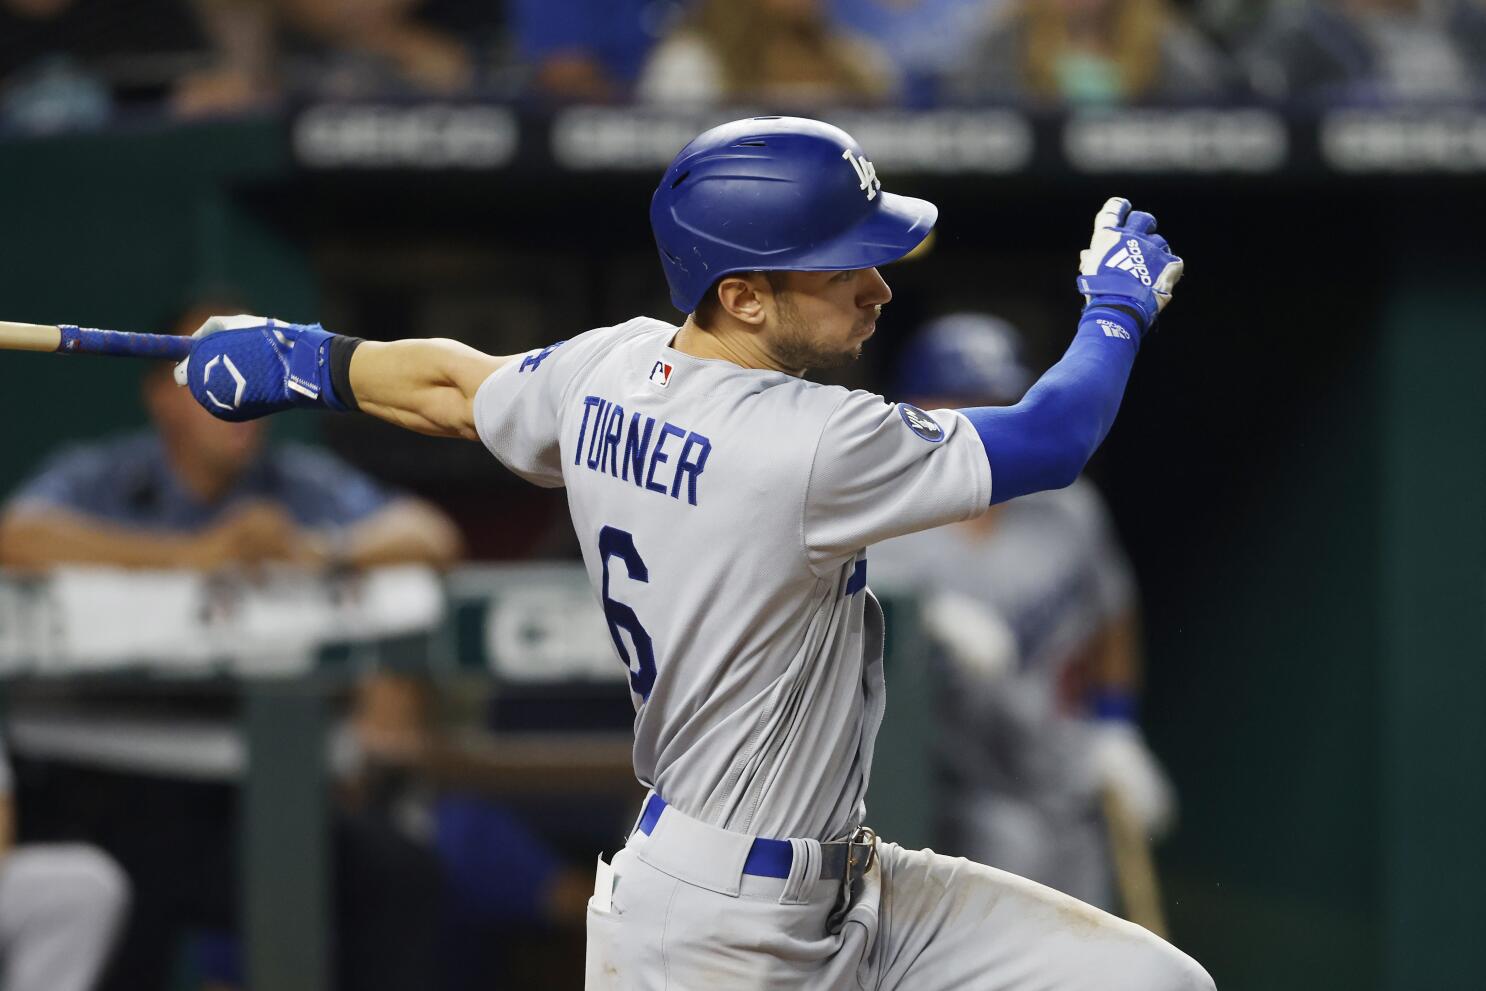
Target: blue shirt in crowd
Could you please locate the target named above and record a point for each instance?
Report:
(618, 34)
(923, 38)
(128, 480)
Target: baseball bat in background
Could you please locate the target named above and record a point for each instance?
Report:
(68, 339)
(1135, 870)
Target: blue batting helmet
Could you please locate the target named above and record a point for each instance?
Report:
(776, 193)
(964, 356)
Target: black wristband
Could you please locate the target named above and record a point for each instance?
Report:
(1131, 312)
(341, 349)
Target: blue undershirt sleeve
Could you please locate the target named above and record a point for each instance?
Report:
(1044, 441)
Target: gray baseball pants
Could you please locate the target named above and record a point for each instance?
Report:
(680, 915)
(60, 908)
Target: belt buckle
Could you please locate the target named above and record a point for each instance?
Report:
(858, 862)
(856, 857)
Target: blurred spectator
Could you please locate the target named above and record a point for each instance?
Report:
(376, 46)
(1371, 50)
(265, 49)
(66, 63)
(1227, 20)
(1035, 608)
(588, 51)
(1091, 53)
(778, 53)
(924, 39)
(241, 74)
(61, 906)
(197, 492)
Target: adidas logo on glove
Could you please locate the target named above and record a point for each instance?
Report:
(1130, 259)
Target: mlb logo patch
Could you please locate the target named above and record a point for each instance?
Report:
(660, 374)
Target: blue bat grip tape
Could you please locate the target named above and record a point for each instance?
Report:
(89, 340)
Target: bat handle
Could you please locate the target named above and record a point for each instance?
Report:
(89, 340)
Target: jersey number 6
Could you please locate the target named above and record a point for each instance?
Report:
(618, 543)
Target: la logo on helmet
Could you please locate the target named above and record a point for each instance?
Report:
(866, 172)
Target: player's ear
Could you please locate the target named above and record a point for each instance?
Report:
(741, 298)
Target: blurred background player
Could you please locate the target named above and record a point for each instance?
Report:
(1034, 605)
(61, 905)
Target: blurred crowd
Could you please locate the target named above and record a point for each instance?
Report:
(74, 63)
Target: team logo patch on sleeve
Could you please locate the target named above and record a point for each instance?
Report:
(534, 360)
(921, 423)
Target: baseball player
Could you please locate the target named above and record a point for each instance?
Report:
(723, 504)
(1034, 604)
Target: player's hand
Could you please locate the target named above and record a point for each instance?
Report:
(1121, 762)
(1127, 264)
(254, 534)
(244, 367)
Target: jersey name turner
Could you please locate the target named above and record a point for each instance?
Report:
(625, 451)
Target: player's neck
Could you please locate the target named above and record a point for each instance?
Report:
(742, 348)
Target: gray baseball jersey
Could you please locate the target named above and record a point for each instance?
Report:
(723, 513)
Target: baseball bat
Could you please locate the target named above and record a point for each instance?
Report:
(69, 339)
(1135, 871)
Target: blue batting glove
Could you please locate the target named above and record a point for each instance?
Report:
(1127, 264)
(244, 367)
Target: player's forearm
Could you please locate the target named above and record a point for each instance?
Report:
(409, 531)
(44, 539)
(1044, 441)
(424, 385)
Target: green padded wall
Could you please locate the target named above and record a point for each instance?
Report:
(1433, 600)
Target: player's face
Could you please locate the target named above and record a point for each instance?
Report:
(822, 318)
